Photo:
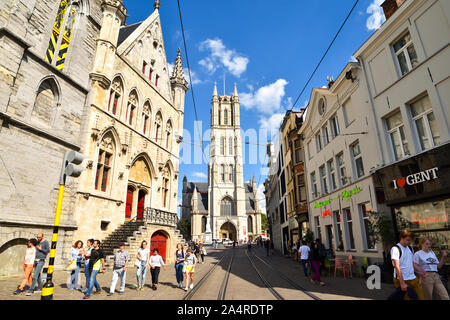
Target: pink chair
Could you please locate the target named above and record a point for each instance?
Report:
(339, 265)
(351, 265)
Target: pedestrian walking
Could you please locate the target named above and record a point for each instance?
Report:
(180, 255)
(76, 256)
(142, 259)
(267, 245)
(322, 254)
(197, 251)
(234, 244)
(294, 251)
(304, 253)
(86, 256)
(249, 245)
(315, 263)
(28, 264)
(96, 265)
(42, 250)
(402, 260)
(121, 259)
(427, 260)
(189, 268)
(156, 262)
(203, 252)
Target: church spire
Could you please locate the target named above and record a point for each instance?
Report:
(157, 4)
(235, 93)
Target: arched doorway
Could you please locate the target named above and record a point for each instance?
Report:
(129, 205)
(141, 204)
(159, 241)
(228, 230)
(11, 257)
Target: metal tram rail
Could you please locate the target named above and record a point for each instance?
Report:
(223, 287)
(287, 279)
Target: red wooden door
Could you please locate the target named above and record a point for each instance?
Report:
(140, 208)
(159, 241)
(129, 205)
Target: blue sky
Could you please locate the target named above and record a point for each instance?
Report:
(268, 48)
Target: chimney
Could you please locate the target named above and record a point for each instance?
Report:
(390, 6)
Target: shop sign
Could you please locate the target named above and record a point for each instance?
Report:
(326, 213)
(347, 194)
(416, 178)
(321, 204)
(429, 220)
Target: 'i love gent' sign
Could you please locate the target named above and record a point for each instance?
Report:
(416, 178)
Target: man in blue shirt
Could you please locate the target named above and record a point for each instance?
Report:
(42, 250)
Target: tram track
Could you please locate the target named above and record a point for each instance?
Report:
(280, 275)
(223, 287)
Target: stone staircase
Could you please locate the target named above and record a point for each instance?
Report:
(132, 233)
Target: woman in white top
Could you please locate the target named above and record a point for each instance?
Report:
(142, 255)
(427, 260)
(76, 253)
(189, 268)
(156, 262)
(202, 252)
(28, 264)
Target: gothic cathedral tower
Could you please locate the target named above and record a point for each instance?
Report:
(226, 194)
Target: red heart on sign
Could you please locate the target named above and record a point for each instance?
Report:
(401, 182)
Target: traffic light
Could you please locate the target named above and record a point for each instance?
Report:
(71, 167)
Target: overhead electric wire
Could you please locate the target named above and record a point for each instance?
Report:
(324, 55)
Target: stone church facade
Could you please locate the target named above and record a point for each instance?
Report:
(73, 76)
(225, 206)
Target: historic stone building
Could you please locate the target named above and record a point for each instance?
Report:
(133, 132)
(226, 206)
(73, 76)
(47, 50)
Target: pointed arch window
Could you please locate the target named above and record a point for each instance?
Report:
(165, 187)
(230, 173)
(146, 116)
(250, 224)
(204, 220)
(225, 117)
(46, 101)
(230, 146)
(104, 163)
(227, 207)
(222, 172)
(114, 96)
(222, 146)
(168, 135)
(133, 102)
(158, 124)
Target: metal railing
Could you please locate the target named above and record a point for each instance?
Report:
(161, 217)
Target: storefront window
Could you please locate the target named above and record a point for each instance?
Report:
(428, 219)
(368, 226)
(348, 216)
(338, 222)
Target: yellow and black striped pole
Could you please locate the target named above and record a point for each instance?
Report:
(69, 168)
(47, 290)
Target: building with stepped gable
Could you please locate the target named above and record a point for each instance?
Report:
(225, 206)
(74, 76)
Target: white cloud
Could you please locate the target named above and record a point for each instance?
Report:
(272, 124)
(266, 99)
(376, 18)
(200, 175)
(195, 79)
(219, 55)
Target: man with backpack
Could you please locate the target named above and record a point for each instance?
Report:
(402, 260)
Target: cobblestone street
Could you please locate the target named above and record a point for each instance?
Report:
(243, 283)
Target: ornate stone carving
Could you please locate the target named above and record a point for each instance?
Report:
(90, 164)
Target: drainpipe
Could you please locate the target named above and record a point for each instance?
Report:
(372, 107)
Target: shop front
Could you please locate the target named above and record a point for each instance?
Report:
(418, 191)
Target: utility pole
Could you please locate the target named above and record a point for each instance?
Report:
(69, 168)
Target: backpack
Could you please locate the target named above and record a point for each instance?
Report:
(401, 251)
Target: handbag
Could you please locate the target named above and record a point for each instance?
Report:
(72, 265)
(137, 263)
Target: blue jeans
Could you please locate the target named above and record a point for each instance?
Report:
(87, 274)
(118, 273)
(74, 277)
(141, 273)
(179, 272)
(93, 282)
(305, 268)
(38, 265)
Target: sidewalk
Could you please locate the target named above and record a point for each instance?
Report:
(335, 288)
